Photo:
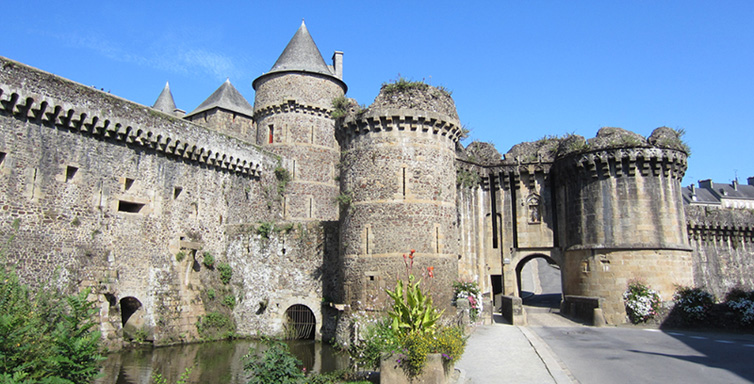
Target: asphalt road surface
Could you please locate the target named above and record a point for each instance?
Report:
(630, 354)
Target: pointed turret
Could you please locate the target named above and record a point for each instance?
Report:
(226, 111)
(292, 107)
(226, 97)
(302, 55)
(165, 102)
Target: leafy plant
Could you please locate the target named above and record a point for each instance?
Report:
(208, 260)
(741, 302)
(226, 272)
(694, 303)
(211, 293)
(182, 379)
(180, 256)
(340, 106)
(229, 301)
(275, 365)
(283, 177)
(215, 325)
(642, 303)
(345, 198)
(376, 342)
(265, 229)
(412, 310)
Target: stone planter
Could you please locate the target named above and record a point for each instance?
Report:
(433, 372)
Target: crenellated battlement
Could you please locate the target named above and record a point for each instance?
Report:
(624, 162)
(399, 120)
(138, 125)
(719, 224)
(292, 106)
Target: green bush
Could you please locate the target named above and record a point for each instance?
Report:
(229, 301)
(211, 293)
(45, 337)
(376, 342)
(208, 260)
(275, 365)
(412, 311)
(226, 272)
(180, 256)
(694, 303)
(215, 325)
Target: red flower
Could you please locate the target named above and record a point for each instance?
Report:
(431, 271)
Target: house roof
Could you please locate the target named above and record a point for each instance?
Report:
(714, 193)
(226, 97)
(165, 102)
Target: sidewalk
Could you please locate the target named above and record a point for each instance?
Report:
(502, 353)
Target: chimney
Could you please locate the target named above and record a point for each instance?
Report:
(337, 63)
(735, 184)
(705, 183)
(750, 180)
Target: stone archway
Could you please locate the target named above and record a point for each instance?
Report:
(133, 320)
(537, 280)
(299, 322)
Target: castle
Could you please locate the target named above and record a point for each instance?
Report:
(292, 214)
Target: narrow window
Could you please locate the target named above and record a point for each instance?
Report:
(34, 183)
(403, 182)
(177, 192)
(293, 174)
(131, 207)
(127, 184)
(312, 134)
(2, 158)
(437, 239)
(69, 173)
(272, 133)
(311, 207)
(366, 241)
(285, 206)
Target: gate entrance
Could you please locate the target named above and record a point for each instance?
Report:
(299, 322)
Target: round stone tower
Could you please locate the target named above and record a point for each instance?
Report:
(398, 187)
(620, 215)
(292, 113)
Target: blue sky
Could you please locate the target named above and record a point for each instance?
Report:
(519, 70)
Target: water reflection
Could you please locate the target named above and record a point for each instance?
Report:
(216, 362)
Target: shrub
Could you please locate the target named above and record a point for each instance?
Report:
(229, 301)
(226, 272)
(275, 365)
(376, 342)
(448, 341)
(208, 260)
(180, 256)
(45, 337)
(211, 293)
(642, 303)
(741, 302)
(694, 303)
(215, 325)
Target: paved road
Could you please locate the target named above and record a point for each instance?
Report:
(633, 355)
(630, 355)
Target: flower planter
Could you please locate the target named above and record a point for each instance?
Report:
(433, 372)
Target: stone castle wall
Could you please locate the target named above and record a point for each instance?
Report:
(105, 193)
(230, 123)
(398, 168)
(722, 241)
(292, 112)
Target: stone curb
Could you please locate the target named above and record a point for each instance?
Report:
(554, 366)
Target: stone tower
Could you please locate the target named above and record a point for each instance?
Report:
(621, 216)
(226, 111)
(292, 114)
(398, 170)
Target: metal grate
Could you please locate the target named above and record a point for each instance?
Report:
(300, 322)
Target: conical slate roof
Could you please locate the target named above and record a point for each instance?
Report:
(226, 97)
(300, 55)
(165, 102)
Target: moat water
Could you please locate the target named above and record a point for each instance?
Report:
(219, 362)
